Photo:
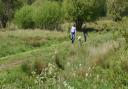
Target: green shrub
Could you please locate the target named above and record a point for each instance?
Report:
(23, 17)
(39, 66)
(48, 16)
(123, 28)
(125, 35)
(59, 61)
(27, 67)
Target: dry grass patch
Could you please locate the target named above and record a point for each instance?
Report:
(35, 41)
(99, 54)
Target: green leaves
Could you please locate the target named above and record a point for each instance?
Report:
(81, 11)
(117, 8)
(23, 17)
(48, 16)
(1, 7)
(87, 10)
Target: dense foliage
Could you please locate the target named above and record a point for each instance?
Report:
(81, 11)
(23, 17)
(7, 10)
(117, 9)
(47, 16)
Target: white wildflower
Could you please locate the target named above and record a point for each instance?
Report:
(79, 65)
(86, 74)
(97, 77)
(89, 68)
(33, 72)
(65, 83)
(36, 81)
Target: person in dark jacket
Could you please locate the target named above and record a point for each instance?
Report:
(85, 32)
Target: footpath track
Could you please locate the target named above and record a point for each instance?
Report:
(13, 61)
(6, 63)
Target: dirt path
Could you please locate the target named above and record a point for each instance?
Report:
(6, 63)
(10, 65)
(94, 52)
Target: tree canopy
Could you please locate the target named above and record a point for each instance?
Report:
(81, 11)
(77, 11)
(7, 10)
(117, 9)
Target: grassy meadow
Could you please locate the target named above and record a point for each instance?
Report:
(13, 42)
(38, 59)
(36, 51)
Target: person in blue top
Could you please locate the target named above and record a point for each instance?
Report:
(73, 33)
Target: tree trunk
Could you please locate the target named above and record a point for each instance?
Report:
(79, 23)
(29, 2)
(4, 20)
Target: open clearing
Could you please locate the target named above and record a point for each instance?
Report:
(79, 64)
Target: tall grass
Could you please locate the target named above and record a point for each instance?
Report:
(100, 63)
(13, 42)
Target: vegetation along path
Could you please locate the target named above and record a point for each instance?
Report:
(17, 59)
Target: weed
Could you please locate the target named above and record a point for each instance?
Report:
(39, 65)
(27, 67)
(34, 41)
(59, 60)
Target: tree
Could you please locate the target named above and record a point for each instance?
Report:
(57, 0)
(29, 2)
(1, 7)
(1, 10)
(7, 10)
(117, 8)
(49, 15)
(81, 11)
(3, 18)
(23, 17)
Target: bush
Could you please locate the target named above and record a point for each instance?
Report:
(23, 17)
(39, 66)
(123, 27)
(27, 67)
(48, 16)
(59, 61)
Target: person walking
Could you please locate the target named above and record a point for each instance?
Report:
(73, 33)
(85, 32)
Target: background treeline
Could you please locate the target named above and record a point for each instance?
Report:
(46, 16)
(50, 14)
